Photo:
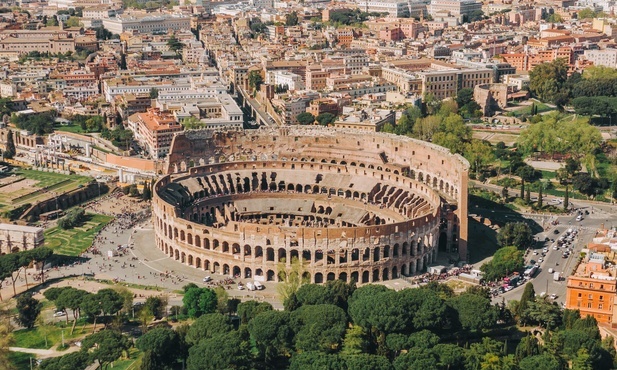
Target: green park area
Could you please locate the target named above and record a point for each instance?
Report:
(72, 242)
(30, 186)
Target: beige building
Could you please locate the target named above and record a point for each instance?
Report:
(17, 238)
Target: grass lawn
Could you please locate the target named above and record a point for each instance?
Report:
(31, 193)
(69, 128)
(21, 360)
(548, 175)
(527, 109)
(34, 338)
(74, 241)
(130, 363)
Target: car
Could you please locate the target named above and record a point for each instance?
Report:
(555, 247)
(556, 232)
(207, 279)
(545, 250)
(508, 288)
(579, 218)
(60, 314)
(565, 255)
(535, 253)
(540, 260)
(240, 286)
(553, 296)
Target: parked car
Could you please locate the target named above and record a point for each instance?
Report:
(60, 314)
(207, 279)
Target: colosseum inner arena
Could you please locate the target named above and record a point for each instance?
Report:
(344, 204)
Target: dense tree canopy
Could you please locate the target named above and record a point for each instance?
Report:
(546, 80)
(505, 261)
(556, 134)
(517, 234)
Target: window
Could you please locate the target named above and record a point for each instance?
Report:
(600, 306)
(589, 305)
(591, 296)
(579, 294)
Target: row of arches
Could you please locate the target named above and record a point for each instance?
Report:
(415, 247)
(361, 275)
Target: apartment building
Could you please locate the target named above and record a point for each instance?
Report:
(456, 8)
(186, 88)
(606, 57)
(147, 23)
(394, 8)
(285, 78)
(217, 113)
(154, 130)
(591, 290)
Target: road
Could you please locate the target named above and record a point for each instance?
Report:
(543, 281)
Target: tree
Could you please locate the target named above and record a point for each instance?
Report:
(517, 234)
(272, 334)
(154, 93)
(291, 19)
(326, 119)
(474, 311)
(156, 305)
(147, 192)
(453, 134)
(174, 44)
(225, 352)
(106, 346)
(529, 295)
(165, 346)
(208, 326)
(10, 151)
(28, 309)
(528, 346)
(199, 301)
(566, 199)
(526, 173)
(505, 261)
(249, 309)
(319, 327)
(540, 199)
(255, 80)
(305, 118)
(479, 153)
(464, 96)
(547, 79)
(543, 361)
(73, 22)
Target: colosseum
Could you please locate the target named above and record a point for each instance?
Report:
(344, 204)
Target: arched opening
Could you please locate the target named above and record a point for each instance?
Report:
(394, 273)
(247, 250)
(217, 268)
(270, 254)
(331, 276)
(282, 255)
(183, 257)
(385, 275)
(343, 276)
(226, 269)
(354, 277)
(270, 275)
(259, 252)
(365, 277)
(318, 278)
(375, 275)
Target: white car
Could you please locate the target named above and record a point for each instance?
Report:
(540, 260)
(579, 218)
(60, 314)
(553, 296)
(207, 279)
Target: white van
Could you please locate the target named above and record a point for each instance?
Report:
(258, 285)
(250, 286)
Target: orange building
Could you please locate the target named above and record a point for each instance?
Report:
(592, 288)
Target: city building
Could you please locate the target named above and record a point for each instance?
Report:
(147, 23)
(154, 130)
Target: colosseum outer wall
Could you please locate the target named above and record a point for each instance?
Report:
(375, 155)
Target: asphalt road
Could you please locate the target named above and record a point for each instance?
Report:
(599, 216)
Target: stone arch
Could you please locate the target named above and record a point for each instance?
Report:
(376, 275)
(216, 267)
(198, 262)
(190, 260)
(183, 257)
(394, 273)
(259, 251)
(385, 276)
(226, 269)
(189, 238)
(282, 255)
(343, 276)
(331, 276)
(270, 254)
(197, 241)
(365, 276)
(236, 272)
(235, 249)
(355, 277)
(225, 247)
(182, 235)
(247, 250)
(247, 273)
(395, 251)
(270, 275)
(318, 278)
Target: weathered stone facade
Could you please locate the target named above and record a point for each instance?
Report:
(347, 205)
(17, 238)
